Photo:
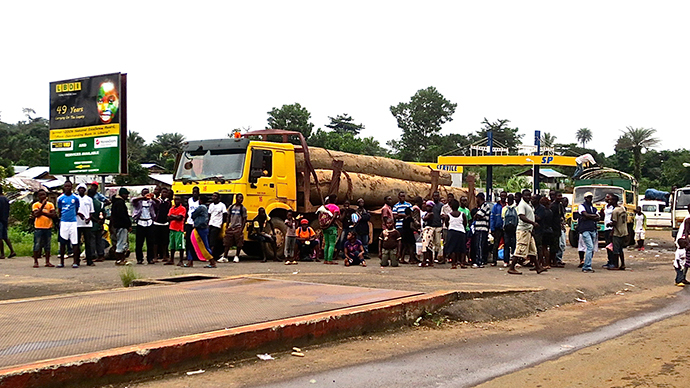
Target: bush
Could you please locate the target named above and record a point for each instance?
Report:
(128, 274)
(20, 213)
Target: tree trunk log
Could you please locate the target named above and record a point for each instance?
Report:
(385, 167)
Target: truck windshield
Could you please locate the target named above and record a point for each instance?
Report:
(210, 165)
(682, 199)
(598, 194)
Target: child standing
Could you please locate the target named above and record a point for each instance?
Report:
(389, 247)
(176, 217)
(640, 228)
(290, 236)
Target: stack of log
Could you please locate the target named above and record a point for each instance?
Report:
(373, 178)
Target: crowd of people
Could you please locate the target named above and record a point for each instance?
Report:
(519, 229)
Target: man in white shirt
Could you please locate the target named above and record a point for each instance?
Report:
(606, 213)
(84, 225)
(525, 248)
(217, 215)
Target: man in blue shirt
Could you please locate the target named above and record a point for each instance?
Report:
(67, 206)
(496, 222)
(399, 210)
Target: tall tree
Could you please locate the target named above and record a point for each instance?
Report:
(421, 119)
(291, 117)
(136, 147)
(548, 140)
(502, 133)
(584, 136)
(636, 140)
(346, 142)
(342, 124)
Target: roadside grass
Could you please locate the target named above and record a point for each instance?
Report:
(128, 274)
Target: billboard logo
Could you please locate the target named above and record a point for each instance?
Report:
(61, 146)
(68, 87)
(105, 142)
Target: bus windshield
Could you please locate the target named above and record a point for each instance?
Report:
(210, 165)
(598, 194)
(682, 199)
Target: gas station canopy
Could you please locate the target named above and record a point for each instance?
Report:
(508, 160)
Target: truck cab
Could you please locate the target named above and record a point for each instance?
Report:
(679, 208)
(262, 171)
(602, 181)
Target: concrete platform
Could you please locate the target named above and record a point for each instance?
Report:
(106, 335)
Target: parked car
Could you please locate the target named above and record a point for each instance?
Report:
(658, 214)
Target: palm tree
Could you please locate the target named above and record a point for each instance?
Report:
(584, 136)
(170, 144)
(548, 140)
(636, 139)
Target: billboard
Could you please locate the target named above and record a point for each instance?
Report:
(88, 125)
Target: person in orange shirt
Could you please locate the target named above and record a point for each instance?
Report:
(305, 240)
(43, 213)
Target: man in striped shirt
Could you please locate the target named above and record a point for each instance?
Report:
(481, 231)
(399, 211)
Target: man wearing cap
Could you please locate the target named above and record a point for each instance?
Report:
(120, 225)
(85, 214)
(587, 226)
(102, 198)
(305, 239)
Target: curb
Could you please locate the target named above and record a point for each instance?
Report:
(130, 362)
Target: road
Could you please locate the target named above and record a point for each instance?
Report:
(616, 341)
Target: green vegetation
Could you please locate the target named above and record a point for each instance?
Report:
(128, 274)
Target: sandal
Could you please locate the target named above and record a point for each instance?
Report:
(49, 265)
(210, 266)
(36, 265)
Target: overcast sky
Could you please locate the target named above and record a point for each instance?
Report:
(205, 68)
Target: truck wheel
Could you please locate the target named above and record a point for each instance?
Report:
(573, 238)
(252, 249)
(280, 230)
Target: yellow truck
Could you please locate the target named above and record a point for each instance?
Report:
(601, 181)
(281, 176)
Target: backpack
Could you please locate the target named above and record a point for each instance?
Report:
(326, 219)
(511, 219)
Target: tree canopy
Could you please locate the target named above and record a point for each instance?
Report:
(292, 117)
(421, 120)
(342, 124)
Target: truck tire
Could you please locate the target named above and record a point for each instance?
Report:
(280, 230)
(573, 238)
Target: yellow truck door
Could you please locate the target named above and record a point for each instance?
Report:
(262, 188)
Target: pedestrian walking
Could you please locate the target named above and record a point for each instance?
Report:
(234, 231)
(587, 226)
(4, 225)
(525, 249)
(120, 226)
(199, 238)
(43, 213)
(68, 206)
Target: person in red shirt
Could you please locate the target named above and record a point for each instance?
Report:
(176, 216)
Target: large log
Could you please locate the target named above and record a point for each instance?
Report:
(322, 159)
(373, 188)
